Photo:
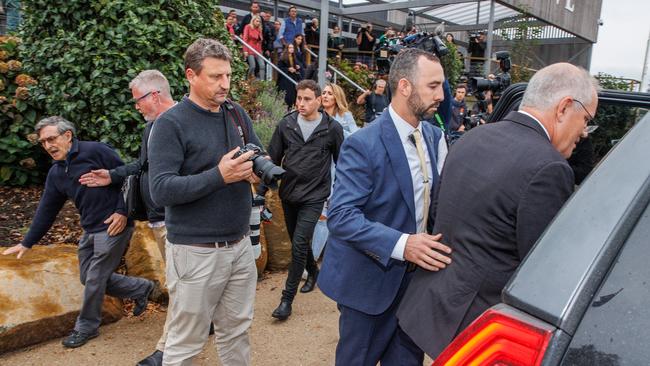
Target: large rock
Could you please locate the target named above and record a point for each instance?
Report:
(40, 296)
(277, 237)
(143, 259)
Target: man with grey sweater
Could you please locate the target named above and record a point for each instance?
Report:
(211, 272)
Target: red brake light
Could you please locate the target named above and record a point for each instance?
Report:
(496, 338)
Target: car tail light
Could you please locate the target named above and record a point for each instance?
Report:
(497, 338)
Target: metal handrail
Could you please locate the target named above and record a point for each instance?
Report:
(266, 60)
(339, 73)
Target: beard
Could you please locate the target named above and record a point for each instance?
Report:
(420, 110)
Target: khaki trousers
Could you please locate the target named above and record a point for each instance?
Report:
(210, 284)
(160, 234)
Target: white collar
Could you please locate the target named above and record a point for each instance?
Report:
(538, 122)
(404, 129)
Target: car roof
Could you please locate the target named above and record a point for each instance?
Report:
(557, 279)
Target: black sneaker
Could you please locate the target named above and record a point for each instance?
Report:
(78, 339)
(141, 302)
(154, 359)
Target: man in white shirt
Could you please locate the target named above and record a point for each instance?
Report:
(380, 214)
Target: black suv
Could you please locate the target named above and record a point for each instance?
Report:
(582, 295)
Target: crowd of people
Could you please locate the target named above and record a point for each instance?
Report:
(413, 255)
(285, 43)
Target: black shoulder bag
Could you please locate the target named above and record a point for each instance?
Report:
(135, 207)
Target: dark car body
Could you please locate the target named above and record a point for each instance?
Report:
(585, 286)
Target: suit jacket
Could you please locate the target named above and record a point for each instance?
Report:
(501, 185)
(371, 207)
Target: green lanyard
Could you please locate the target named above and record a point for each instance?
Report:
(440, 122)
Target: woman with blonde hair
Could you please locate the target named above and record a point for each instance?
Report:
(253, 36)
(335, 105)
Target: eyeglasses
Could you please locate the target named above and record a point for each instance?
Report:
(590, 125)
(138, 100)
(50, 140)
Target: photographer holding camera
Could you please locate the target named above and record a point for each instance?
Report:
(305, 142)
(476, 50)
(366, 44)
(375, 101)
(211, 272)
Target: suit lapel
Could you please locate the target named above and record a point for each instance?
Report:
(398, 161)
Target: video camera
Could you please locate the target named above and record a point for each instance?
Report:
(500, 82)
(430, 42)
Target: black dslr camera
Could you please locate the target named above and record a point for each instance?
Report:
(268, 172)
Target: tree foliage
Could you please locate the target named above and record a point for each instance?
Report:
(524, 37)
(452, 64)
(84, 54)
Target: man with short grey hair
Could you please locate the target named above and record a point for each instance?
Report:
(205, 188)
(152, 97)
(107, 230)
(502, 185)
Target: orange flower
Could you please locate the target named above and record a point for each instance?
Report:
(14, 65)
(4, 68)
(24, 80)
(3, 55)
(22, 93)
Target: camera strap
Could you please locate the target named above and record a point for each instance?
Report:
(237, 120)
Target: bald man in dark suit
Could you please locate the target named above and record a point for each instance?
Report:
(501, 185)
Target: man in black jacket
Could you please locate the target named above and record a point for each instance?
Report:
(107, 230)
(152, 97)
(305, 142)
(501, 185)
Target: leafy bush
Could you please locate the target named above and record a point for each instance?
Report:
(19, 159)
(265, 105)
(84, 54)
(363, 77)
(452, 64)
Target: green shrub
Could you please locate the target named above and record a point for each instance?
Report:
(19, 159)
(452, 64)
(361, 77)
(84, 53)
(265, 105)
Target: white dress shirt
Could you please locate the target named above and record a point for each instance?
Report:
(405, 130)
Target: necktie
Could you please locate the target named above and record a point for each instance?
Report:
(417, 135)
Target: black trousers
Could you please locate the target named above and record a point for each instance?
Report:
(301, 219)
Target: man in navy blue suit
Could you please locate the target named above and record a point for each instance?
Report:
(379, 214)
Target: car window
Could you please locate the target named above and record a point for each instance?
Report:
(613, 122)
(616, 327)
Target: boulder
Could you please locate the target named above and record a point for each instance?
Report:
(40, 296)
(277, 237)
(143, 259)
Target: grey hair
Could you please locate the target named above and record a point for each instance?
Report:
(203, 48)
(554, 82)
(62, 125)
(405, 66)
(151, 80)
